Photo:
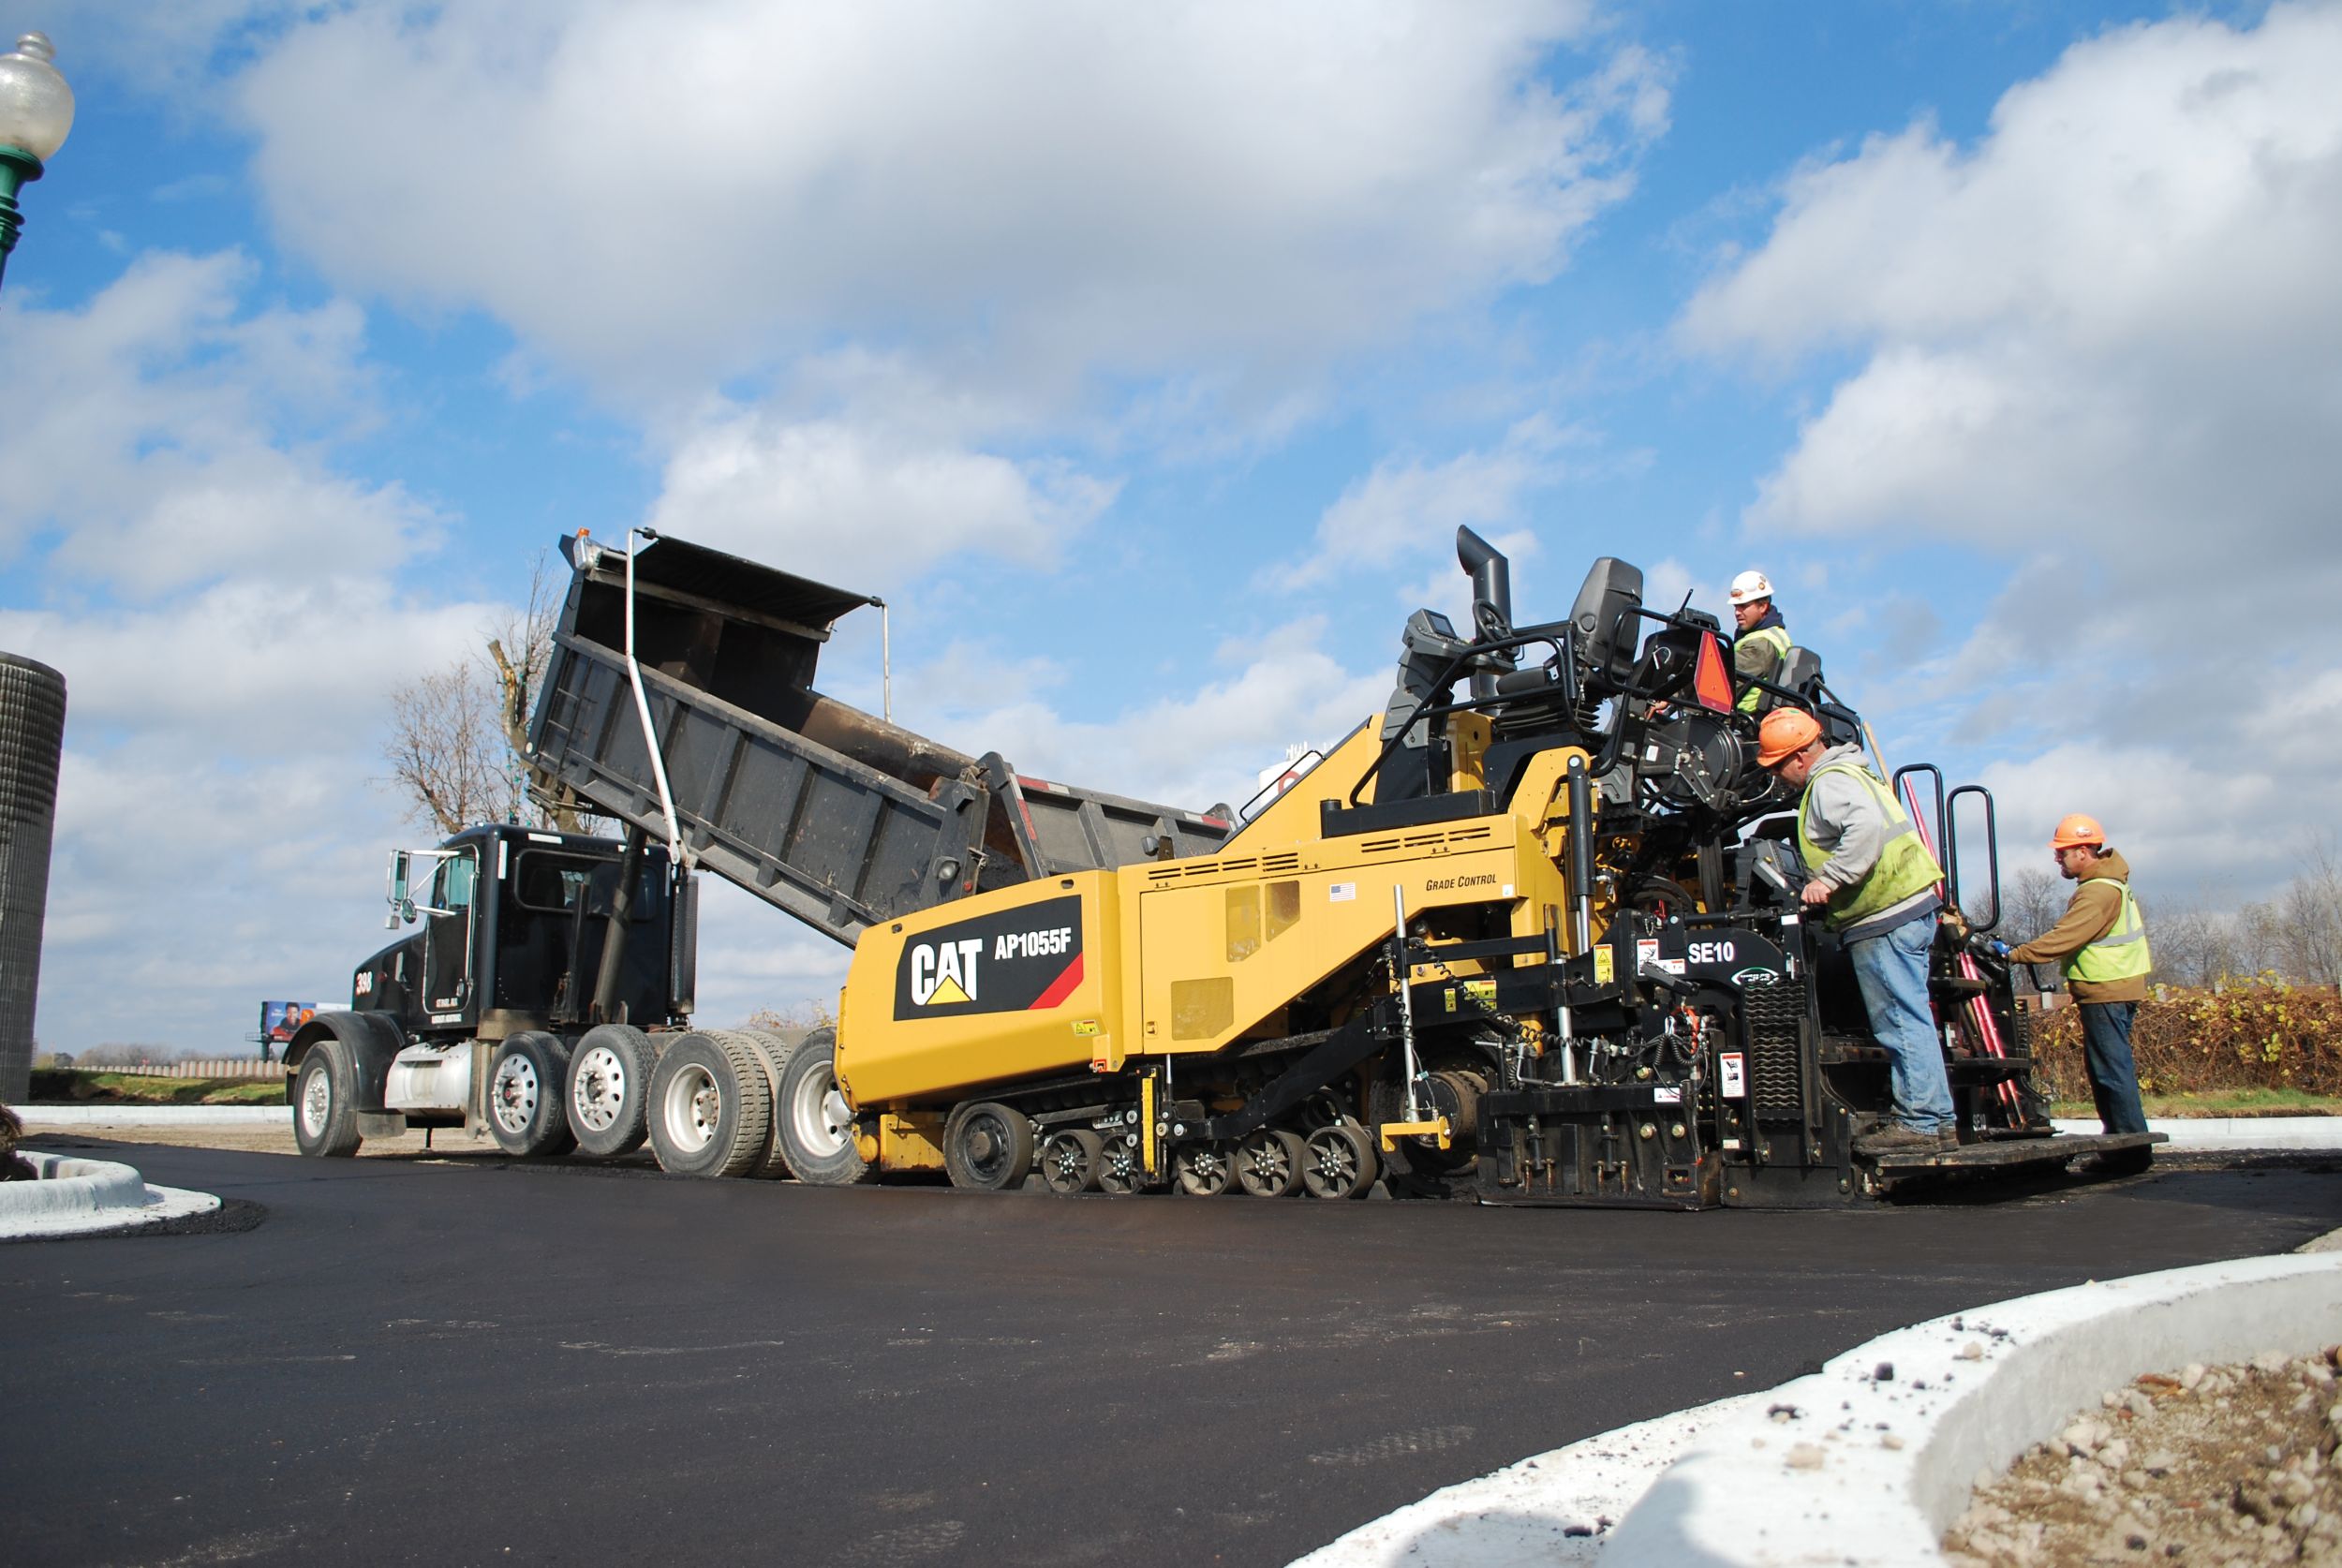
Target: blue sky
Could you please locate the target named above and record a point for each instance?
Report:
(1146, 360)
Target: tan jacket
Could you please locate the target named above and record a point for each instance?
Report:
(2098, 904)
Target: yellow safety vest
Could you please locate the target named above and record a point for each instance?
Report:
(1904, 866)
(1773, 637)
(2120, 954)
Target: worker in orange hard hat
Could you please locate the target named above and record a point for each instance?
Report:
(1763, 640)
(1875, 883)
(2102, 945)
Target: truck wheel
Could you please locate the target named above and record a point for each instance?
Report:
(1204, 1170)
(1069, 1160)
(987, 1147)
(711, 1113)
(817, 1133)
(325, 1123)
(1268, 1162)
(526, 1080)
(609, 1073)
(1338, 1161)
(773, 1049)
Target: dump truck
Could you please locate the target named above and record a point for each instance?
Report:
(1528, 935)
(521, 1005)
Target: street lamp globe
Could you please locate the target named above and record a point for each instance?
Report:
(35, 111)
(36, 105)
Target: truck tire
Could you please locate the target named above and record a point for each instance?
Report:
(773, 1050)
(815, 1134)
(711, 1112)
(325, 1123)
(527, 1086)
(609, 1086)
(987, 1146)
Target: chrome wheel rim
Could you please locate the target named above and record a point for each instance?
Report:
(513, 1098)
(316, 1102)
(820, 1121)
(692, 1108)
(600, 1089)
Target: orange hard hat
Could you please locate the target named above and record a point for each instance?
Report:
(2077, 829)
(1784, 733)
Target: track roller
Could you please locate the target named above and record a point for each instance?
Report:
(1071, 1158)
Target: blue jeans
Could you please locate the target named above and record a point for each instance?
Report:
(2113, 1078)
(1892, 972)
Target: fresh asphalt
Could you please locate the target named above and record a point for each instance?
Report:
(469, 1361)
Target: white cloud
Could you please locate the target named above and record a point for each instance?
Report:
(163, 437)
(1036, 194)
(2111, 322)
(2103, 344)
(865, 506)
(1406, 502)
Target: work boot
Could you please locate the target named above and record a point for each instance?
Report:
(2117, 1163)
(1897, 1138)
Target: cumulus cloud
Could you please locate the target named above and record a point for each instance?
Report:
(2110, 323)
(1406, 501)
(1040, 194)
(864, 504)
(162, 436)
(2102, 345)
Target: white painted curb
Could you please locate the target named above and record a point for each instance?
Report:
(75, 1197)
(155, 1116)
(2233, 1132)
(1967, 1394)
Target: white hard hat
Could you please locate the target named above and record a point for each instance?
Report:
(1750, 585)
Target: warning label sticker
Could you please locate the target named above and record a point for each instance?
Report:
(1732, 1077)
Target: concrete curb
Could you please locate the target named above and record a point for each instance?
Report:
(1555, 1510)
(77, 1197)
(2235, 1132)
(156, 1115)
(1867, 1462)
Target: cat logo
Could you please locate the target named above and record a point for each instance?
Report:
(945, 974)
(1025, 958)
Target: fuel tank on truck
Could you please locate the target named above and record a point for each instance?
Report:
(1015, 983)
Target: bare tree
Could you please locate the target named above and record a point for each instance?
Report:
(2031, 901)
(457, 735)
(2309, 920)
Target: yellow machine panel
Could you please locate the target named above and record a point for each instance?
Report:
(1225, 942)
(1000, 987)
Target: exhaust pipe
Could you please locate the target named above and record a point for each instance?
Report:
(1491, 602)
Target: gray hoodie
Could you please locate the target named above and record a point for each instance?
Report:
(1844, 818)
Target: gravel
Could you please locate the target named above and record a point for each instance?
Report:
(2211, 1466)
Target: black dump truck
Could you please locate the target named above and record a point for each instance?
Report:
(539, 964)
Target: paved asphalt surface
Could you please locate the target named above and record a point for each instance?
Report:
(475, 1361)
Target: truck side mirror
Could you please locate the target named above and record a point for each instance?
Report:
(395, 893)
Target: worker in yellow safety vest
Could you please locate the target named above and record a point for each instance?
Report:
(2102, 945)
(1763, 640)
(1876, 885)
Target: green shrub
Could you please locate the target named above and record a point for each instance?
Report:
(2263, 1034)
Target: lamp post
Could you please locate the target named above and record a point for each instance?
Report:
(35, 111)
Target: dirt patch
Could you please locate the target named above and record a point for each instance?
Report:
(2216, 1466)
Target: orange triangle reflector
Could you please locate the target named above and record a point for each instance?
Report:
(1711, 684)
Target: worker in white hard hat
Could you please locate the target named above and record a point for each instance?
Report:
(1763, 642)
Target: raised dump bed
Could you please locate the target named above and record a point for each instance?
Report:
(831, 813)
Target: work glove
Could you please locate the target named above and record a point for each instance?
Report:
(1997, 948)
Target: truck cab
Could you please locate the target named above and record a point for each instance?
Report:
(523, 942)
(511, 925)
